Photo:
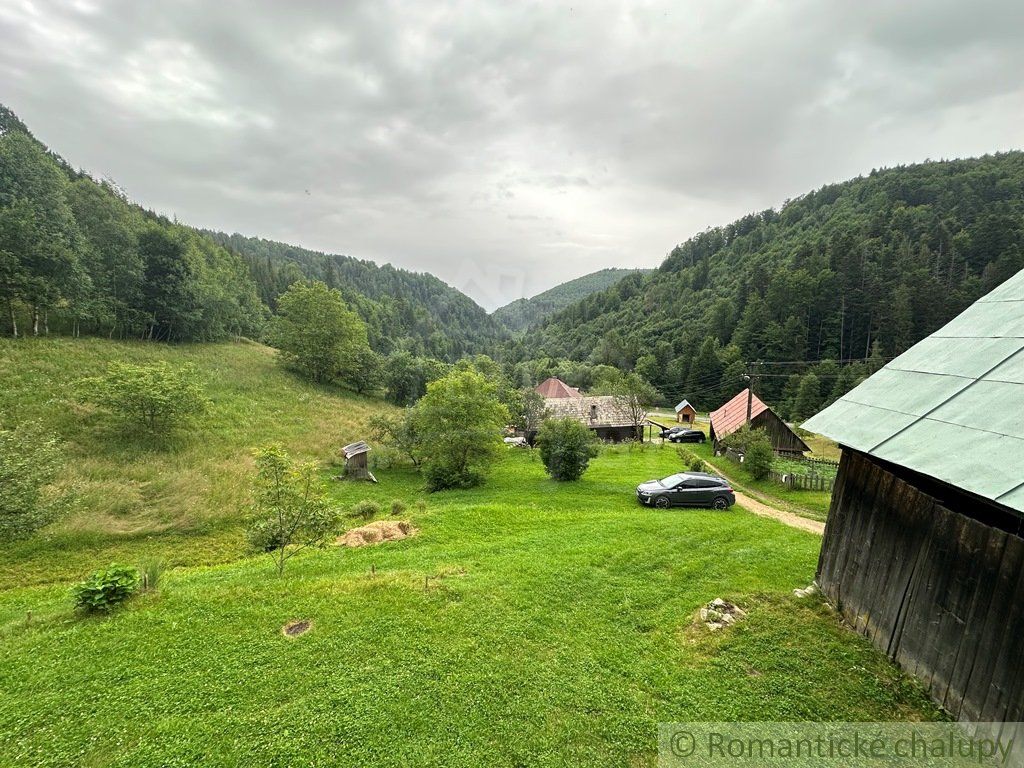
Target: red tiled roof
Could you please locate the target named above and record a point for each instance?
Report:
(733, 414)
(551, 388)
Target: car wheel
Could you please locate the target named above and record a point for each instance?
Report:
(662, 502)
(720, 503)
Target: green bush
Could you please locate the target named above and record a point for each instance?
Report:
(156, 397)
(758, 457)
(690, 460)
(106, 589)
(366, 509)
(460, 421)
(30, 459)
(397, 507)
(566, 448)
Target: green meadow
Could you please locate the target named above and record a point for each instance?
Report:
(526, 623)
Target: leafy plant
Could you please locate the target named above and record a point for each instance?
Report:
(156, 397)
(403, 433)
(106, 589)
(30, 459)
(758, 458)
(397, 507)
(290, 511)
(566, 448)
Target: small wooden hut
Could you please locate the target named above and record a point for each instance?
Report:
(356, 466)
(686, 413)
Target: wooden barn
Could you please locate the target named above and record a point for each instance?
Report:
(733, 415)
(924, 547)
(604, 414)
(686, 413)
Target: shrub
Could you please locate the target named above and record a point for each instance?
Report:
(566, 448)
(106, 589)
(157, 397)
(29, 460)
(697, 465)
(758, 457)
(290, 511)
(366, 509)
(397, 507)
(421, 506)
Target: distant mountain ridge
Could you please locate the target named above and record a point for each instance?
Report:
(522, 313)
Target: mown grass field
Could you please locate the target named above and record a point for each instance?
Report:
(527, 623)
(133, 497)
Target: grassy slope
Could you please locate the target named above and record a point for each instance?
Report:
(558, 629)
(134, 498)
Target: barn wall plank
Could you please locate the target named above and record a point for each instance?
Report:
(938, 591)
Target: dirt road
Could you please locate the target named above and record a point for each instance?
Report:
(790, 519)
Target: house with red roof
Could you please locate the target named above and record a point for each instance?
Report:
(556, 388)
(733, 415)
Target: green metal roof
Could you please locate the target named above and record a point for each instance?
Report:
(952, 406)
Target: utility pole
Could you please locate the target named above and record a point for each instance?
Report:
(749, 378)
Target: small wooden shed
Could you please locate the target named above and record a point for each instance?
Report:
(356, 467)
(686, 413)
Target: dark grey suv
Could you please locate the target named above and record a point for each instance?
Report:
(687, 489)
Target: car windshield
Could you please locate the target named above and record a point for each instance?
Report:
(672, 481)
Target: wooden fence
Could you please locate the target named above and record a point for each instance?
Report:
(812, 482)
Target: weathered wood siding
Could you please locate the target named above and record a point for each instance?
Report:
(937, 590)
(784, 439)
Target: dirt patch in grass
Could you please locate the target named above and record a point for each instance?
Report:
(377, 532)
(296, 628)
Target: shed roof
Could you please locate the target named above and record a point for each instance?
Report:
(733, 414)
(610, 411)
(950, 407)
(554, 388)
(685, 404)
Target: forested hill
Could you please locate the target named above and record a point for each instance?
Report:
(77, 257)
(411, 310)
(522, 313)
(868, 265)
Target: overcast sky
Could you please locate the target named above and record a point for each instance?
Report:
(504, 147)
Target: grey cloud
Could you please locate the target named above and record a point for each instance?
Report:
(459, 138)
